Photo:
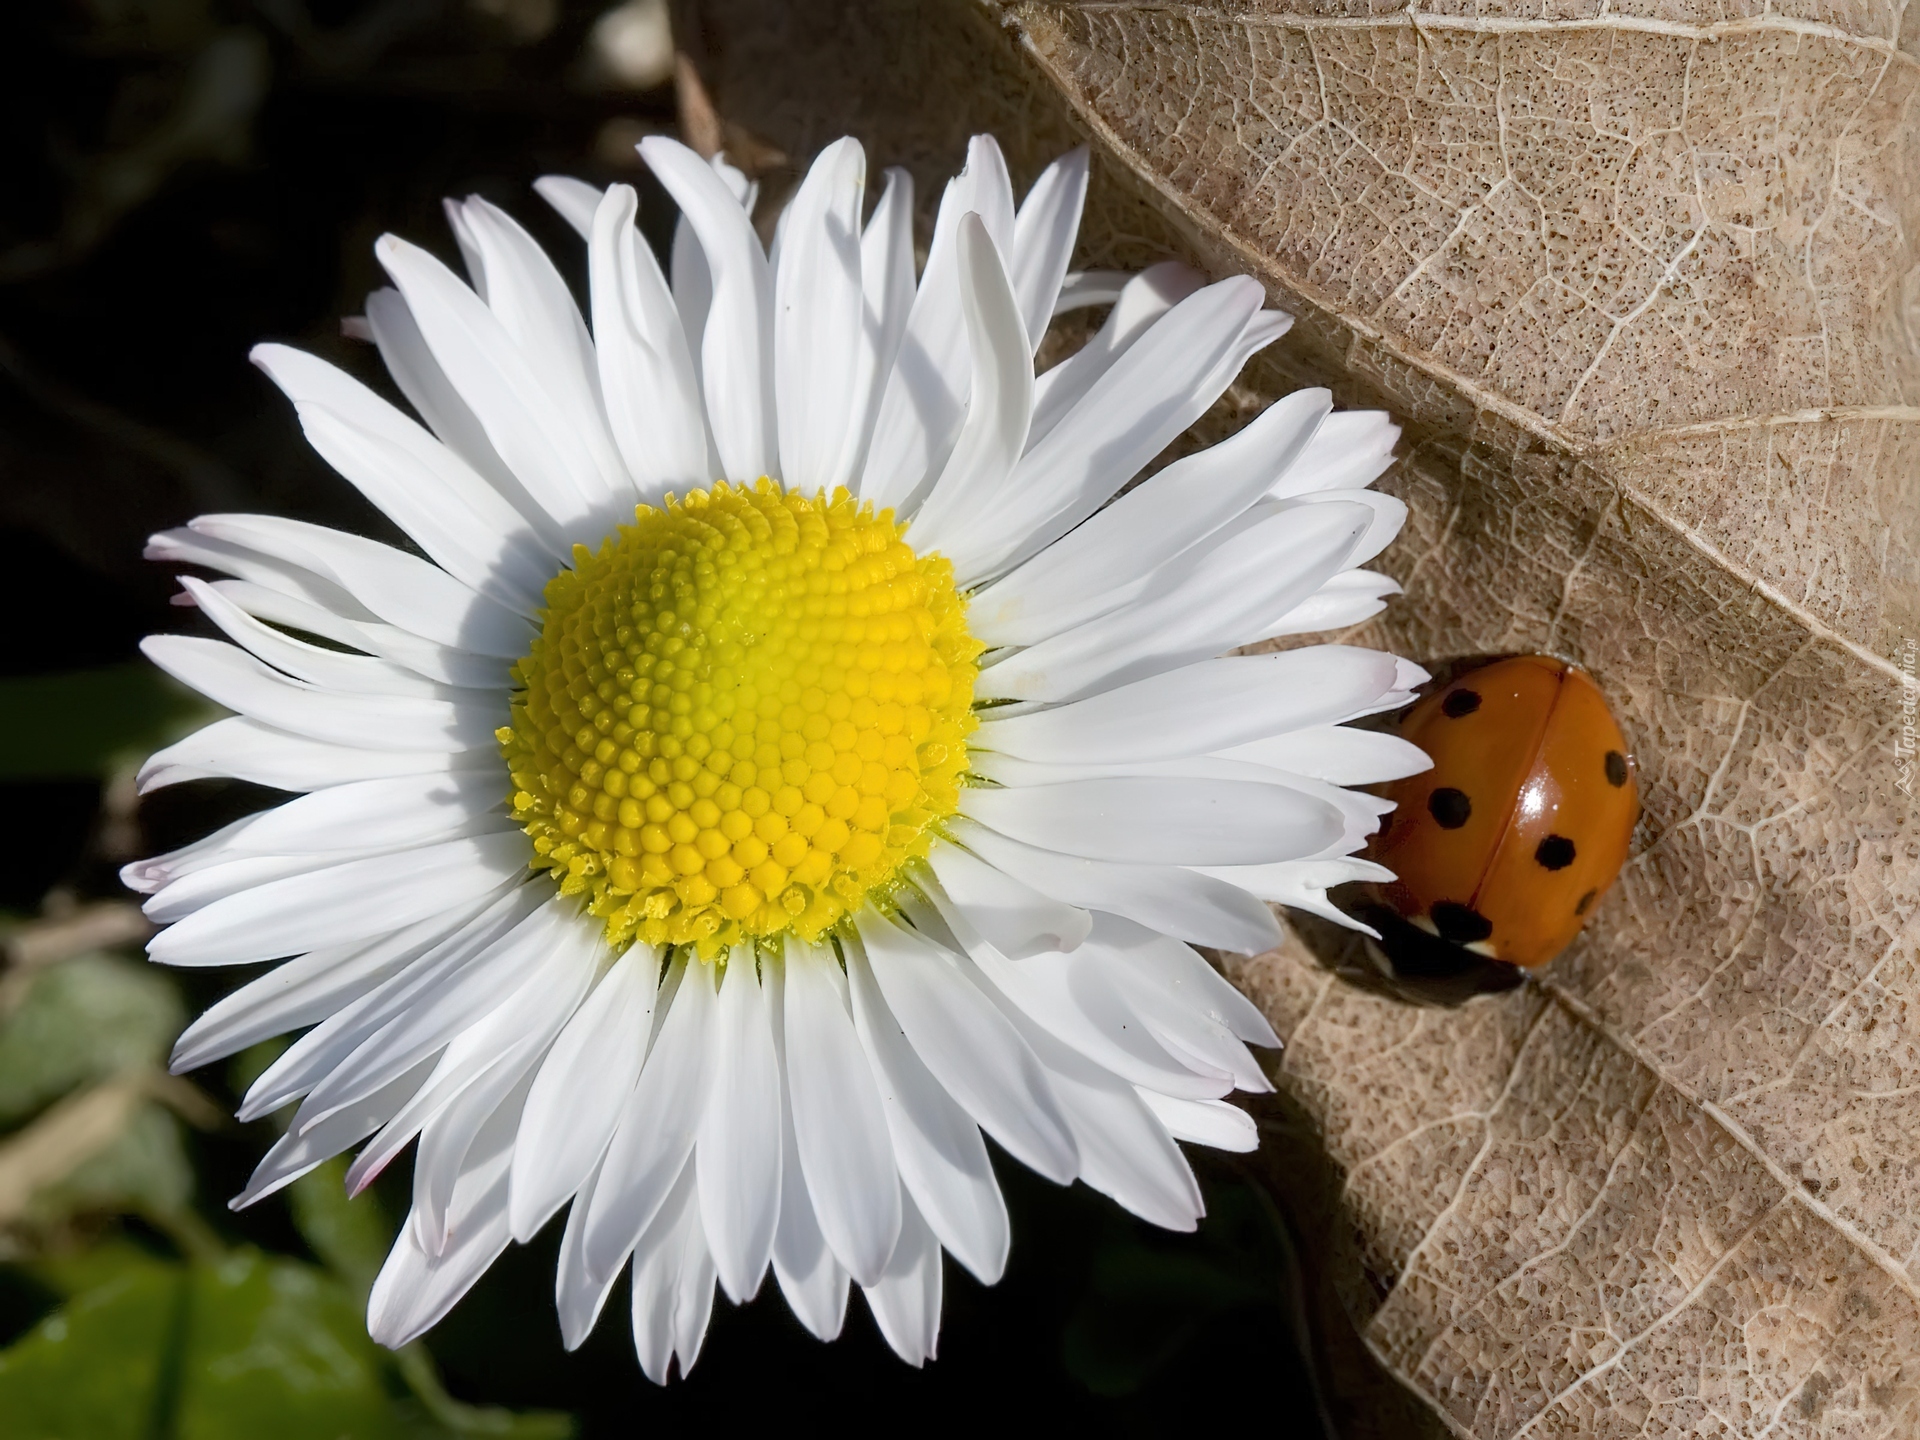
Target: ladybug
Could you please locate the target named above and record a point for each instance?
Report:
(1505, 846)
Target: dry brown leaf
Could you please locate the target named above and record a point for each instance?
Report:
(1643, 281)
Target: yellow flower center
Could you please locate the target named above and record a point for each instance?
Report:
(742, 716)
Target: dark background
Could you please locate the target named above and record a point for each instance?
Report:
(184, 178)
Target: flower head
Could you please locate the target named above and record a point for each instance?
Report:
(789, 760)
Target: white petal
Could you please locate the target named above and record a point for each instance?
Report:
(241, 749)
(181, 897)
(943, 1161)
(925, 397)
(411, 363)
(510, 1042)
(964, 1041)
(1207, 706)
(314, 664)
(452, 1071)
(887, 289)
(1345, 600)
(447, 1140)
(905, 1300)
(498, 383)
(1137, 303)
(1160, 386)
(1389, 514)
(1337, 754)
(307, 989)
(840, 1126)
(578, 1297)
(414, 1291)
(1167, 898)
(1184, 982)
(735, 352)
(471, 256)
(1215, 1123)
(1012, 916)
(656, 1279)
(1303, 884)
(1124, 1151)
(299, 993)
(354, 901)
(399, 588)
(1202, 1043)
(1084, 289)
(1000, 397)
(813, 1281)
(573, 200)
(817, 321)
(673, 1275)
(1152, 820)
(459, 668)
(737, 1152)
(537, 310)
(656, 1132)
(229, 676)
(1043, 236)
(692, 281)
(1350, 451)
(548, 940)
(1108, 560)
(652, 397)
(581, 1090)
(433, 953)
(1211, 598)
(268, 572)
(456, 517)
(296, 1153)
(367, 815)
(1071, 998)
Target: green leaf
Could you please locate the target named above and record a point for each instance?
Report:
(93, 1369)
(143, 1170)
(84, 722)
(279, 1348)
(250, 1346)
(83, 1020)
(74, 1272)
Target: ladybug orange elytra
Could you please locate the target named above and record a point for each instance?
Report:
(1507, 843)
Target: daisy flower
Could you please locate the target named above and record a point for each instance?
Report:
(785, 763)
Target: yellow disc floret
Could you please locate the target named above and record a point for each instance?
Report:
(742, 716)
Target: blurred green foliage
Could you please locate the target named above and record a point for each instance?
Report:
(218, 1340)
(93, 1020)
(82, 723)
(88, 1018)
(244, 1347)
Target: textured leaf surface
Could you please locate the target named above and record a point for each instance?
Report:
(1643, 283)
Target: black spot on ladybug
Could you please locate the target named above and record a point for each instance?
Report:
(1616, 769)
(1554, 853)
(1585, 900)
(1460, 702)
(1449, 807)
(1460, 923)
